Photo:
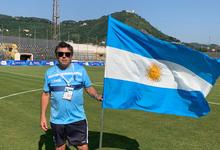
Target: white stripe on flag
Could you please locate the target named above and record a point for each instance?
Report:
(124, 65)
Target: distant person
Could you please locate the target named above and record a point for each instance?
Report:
(42, 57)
(63, 86)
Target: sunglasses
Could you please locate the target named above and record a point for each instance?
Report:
(61, 54)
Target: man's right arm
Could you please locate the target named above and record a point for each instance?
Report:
(44, 104)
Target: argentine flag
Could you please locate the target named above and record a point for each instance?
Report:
(146, 73)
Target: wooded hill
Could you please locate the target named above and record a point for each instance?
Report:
(87, 31)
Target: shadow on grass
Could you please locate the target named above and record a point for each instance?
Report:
(46, 141)
(109, 141)
(112, 141)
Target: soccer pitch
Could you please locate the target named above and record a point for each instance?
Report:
(123, 129)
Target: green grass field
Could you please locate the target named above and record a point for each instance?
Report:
(123, 129)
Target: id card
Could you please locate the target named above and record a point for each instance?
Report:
(68, 93)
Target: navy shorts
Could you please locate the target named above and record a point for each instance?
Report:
(75, 133)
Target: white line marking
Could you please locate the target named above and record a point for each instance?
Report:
(29, 91)
(95, 84)
(22, 74)
(19, 93)
(214, 103)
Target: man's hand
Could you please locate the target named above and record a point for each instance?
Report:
(43, 123)
(44, 103)
(98, 97)
(92, 92)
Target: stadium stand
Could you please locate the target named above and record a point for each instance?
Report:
(38, 47)
(44, 49)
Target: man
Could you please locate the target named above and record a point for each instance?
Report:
(63, 86)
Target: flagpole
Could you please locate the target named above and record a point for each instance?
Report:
(101, 128)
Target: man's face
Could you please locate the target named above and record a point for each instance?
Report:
(64, 56)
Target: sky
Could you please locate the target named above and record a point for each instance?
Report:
(186, 20)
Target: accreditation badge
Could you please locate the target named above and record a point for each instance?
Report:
(68, 93)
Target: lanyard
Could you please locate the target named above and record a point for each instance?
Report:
(62, 76)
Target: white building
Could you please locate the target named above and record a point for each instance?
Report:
(88, 51)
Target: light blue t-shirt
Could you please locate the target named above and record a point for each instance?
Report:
(66, 111)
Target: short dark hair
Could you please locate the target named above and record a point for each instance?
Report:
(62, 45)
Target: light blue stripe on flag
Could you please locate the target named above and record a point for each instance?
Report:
(153, 99)
(145, 73)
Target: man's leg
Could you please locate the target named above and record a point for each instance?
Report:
(82, 147)
(59, 136)
(77, 134)
(62, 147)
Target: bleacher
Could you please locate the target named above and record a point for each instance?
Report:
(44, 49)
(40, 48)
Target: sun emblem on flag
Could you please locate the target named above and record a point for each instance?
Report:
(154, 72)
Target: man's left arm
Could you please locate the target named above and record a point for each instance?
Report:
(93, 92)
